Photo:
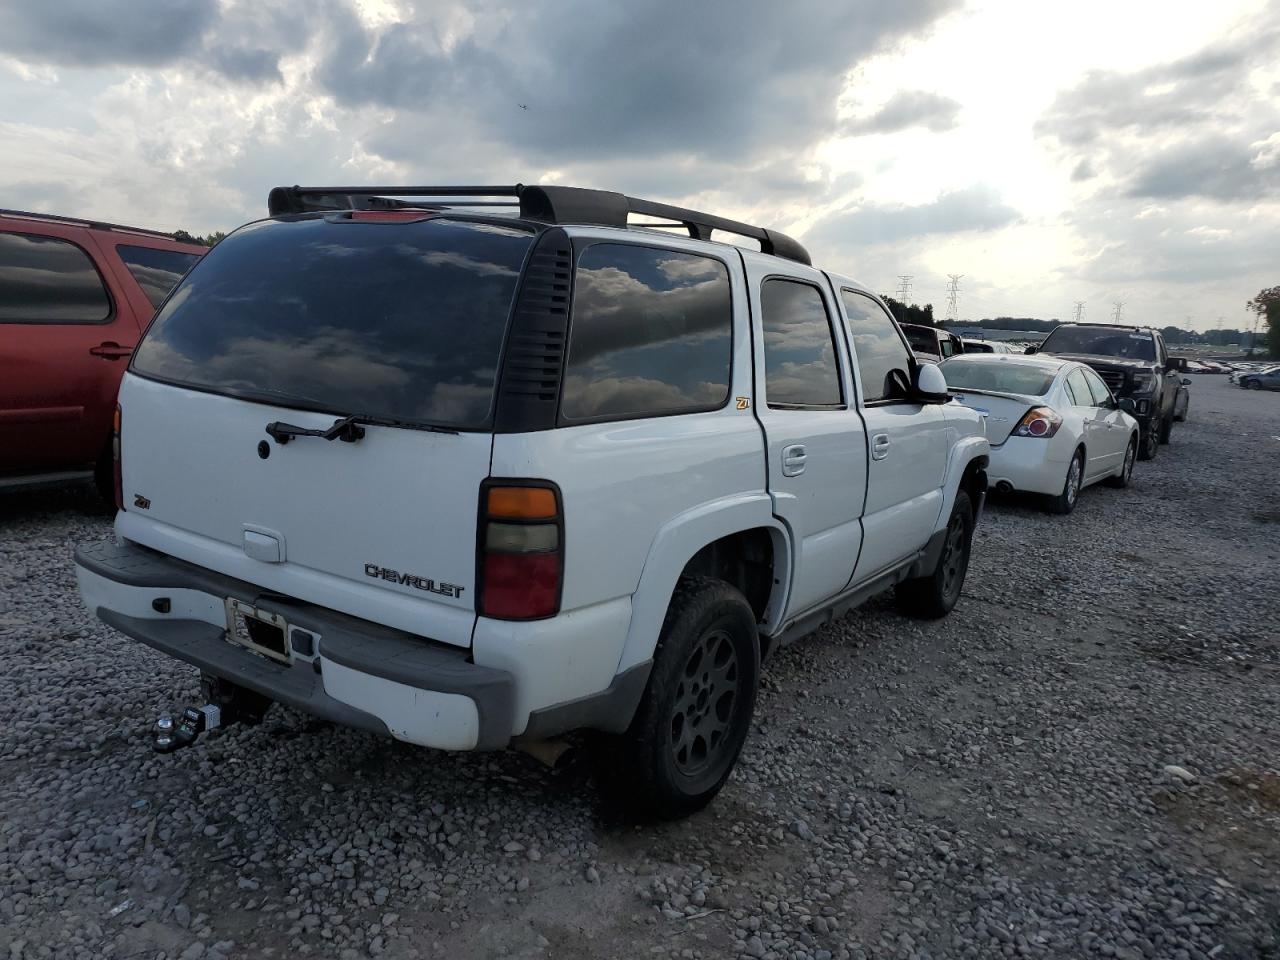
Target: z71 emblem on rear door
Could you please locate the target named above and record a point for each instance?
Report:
(412, 580)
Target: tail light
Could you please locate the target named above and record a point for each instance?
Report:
(115, 458)
(1038, 422)
(521, 550)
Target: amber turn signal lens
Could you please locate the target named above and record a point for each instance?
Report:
(522, 503)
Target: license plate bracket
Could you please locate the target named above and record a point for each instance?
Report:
(259, 630)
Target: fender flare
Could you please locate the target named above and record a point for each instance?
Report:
(676, 543)
(963, 453)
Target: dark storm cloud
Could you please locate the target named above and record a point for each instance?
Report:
(243, 42)
(103, 32)
(1218, 168)
(974, 208)
(906, 109)
(605, 80)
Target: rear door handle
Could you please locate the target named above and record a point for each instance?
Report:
(793, 458)
(879, 446)
(110, 351)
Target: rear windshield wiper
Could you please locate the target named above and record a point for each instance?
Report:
(346, 429)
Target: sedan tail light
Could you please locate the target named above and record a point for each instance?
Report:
(1038, 422)
(521, 550)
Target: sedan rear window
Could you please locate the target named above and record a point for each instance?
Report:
(399, 320)
(1000, 377)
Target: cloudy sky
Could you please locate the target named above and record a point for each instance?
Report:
(1049, 151)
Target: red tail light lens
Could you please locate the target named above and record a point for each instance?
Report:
(1038, 422)
(521, 550)
(115, 459)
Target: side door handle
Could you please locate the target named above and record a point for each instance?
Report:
(879, 446)
(110, 350)
(793, 458)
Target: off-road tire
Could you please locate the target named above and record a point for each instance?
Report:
(1121, 480)
(933, 595)
(696, 709)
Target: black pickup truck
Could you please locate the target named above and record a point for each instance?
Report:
(1133, 362)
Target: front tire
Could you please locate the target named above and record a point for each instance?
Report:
(1149, 440)
(1121, 479)
(935, 594)
(1251, 385)
(1166, 430)
(696, 710)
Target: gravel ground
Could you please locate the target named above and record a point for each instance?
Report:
(1081, 761)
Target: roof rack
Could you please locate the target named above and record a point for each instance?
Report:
(551, 204)
(83, 222)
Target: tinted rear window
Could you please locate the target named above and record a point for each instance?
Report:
(999, 377)
(395, 320)
(921, 340)
(156, 270)
(47, 280)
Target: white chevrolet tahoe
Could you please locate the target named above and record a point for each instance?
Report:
(476, 477)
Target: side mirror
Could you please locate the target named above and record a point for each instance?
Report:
(1030, 350)
(931, 384)
(1186, 381)
(1127, 405)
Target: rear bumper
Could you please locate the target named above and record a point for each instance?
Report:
(361, 674)
(1030, 465)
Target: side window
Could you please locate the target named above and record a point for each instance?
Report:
(1079, 387)
(1101, 395)
(799, 351)
(651, 333)
(48, 280)
(884, 361)
(1161, 353)
(156, 270)
(946, 348)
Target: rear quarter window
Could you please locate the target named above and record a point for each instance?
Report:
(650, 334)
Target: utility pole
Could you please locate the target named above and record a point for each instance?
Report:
(1118, 311)
(1079, 311)
(904, 288)
(953, 296)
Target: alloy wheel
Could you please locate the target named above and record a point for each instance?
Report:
(1073, 481)
(704, 704)
(953, 556)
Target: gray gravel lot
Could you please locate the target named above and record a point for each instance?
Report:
(1083, 760)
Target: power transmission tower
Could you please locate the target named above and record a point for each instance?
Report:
(1079, 311)
(904, 288)
(1116, 313)
(953, 296)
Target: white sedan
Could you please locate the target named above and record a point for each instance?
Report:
(1053, 425)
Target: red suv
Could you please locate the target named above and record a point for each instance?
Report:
(75, 297)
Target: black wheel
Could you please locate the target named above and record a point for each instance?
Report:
(696, 710)
(935, 594)
(1251, 384)
(1166, 429)
(1065, 501)
(1186, 410)
(1121, 479)
(1149, 440)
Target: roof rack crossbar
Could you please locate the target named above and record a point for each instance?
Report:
(85, 222)
(546, 204)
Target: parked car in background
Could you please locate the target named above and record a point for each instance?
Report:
(1268, 378)
(1134, 363)
(397, 524)
(931, 344)
(75, 295)
(1053, 425)
(985, 346)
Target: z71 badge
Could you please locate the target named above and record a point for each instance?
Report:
(412, 580)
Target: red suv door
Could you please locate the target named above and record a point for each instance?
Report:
(64, 342)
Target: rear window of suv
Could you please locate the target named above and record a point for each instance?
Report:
(156, 270)
(403, 321)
